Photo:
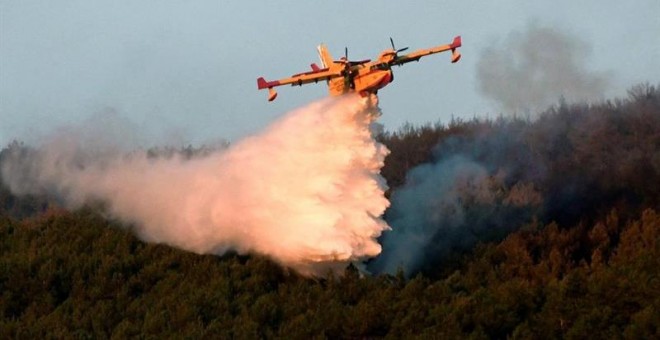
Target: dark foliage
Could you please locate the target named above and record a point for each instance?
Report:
(68, 274)
(586, 268)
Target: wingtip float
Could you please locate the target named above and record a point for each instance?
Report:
(364, 76)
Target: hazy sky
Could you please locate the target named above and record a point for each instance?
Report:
(185, 71)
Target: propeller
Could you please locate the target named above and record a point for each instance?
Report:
(348, 72)
(347, 63)
(344, 60)
(394, 48)
(347, 67)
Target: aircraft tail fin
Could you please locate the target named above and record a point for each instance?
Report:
(324, 55)
(263, 84)
(457, 42)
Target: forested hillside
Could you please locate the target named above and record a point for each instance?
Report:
(476, 181)
(565, 242)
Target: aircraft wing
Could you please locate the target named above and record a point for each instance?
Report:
(416, 55)
(318, 74)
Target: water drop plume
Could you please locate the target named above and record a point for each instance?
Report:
(306, 191)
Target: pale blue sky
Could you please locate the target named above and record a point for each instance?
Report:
(185, 71)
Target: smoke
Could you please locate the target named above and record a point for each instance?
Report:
(306, 192)
(430, 204)
(476, 188)
(482, 187)
(486, 179)
(535, 68)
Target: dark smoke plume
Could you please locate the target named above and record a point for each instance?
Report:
(470, 192)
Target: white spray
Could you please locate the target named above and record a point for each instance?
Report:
(306, 192)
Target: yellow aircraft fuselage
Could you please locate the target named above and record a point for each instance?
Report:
(365, 80)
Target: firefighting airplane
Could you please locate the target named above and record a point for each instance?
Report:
(363, 76)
